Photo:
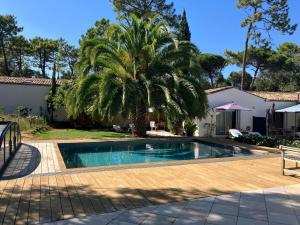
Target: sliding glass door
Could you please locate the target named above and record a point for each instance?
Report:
(224, 121)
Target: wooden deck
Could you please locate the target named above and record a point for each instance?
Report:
(49, 198)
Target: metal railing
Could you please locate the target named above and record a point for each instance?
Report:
(10, 141)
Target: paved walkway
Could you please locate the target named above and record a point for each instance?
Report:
(273, 206)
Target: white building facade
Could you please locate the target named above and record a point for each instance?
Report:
(27, 92)
(217, 123)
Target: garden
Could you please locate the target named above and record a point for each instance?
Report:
(40, 128)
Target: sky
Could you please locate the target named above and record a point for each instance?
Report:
(214, 24)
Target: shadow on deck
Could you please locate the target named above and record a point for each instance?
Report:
(24, 163)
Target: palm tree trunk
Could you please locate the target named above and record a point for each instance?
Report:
(140, 120)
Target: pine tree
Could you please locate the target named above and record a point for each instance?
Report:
(53, 84)
(184, 33)
(51, 96)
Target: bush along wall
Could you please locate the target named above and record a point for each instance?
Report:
(268, 141)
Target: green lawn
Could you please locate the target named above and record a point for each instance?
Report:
(64, 134)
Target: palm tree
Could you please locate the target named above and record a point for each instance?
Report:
(139, 66)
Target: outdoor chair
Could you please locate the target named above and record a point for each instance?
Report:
(289, 154)
(234, 133)
(153, 125)
(131, 128)
(117, 128)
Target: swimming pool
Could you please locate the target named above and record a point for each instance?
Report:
(76, 155)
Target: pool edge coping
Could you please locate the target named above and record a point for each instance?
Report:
(64, 169)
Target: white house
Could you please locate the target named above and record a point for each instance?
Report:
(217, 122)
(27, 92)
(31, 93)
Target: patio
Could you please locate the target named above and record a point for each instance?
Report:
(290, 121)
(276, 206)
(56, 195)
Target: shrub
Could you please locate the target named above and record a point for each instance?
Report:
(268, 141)
(26, 123)
(295, 144)
(174, 124)
(23, 111)
(189, 128)
(284, 141)
(249, 139)
(257, 140)
(37, 121)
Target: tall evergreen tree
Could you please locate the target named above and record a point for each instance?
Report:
(8, 30)
(184, 33)
(147, 8)
(51, 96)
(261, 18)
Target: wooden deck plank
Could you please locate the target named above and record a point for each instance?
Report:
(96, 203)
(22, 214)
(78, 208)
(56, 208)
(66, 204)
(139, 198)
(64, 196)
(35, 198)
(101, 197)
(5, 198)
(86, 193)
(45, 203)
(12, 209)
(110, 194)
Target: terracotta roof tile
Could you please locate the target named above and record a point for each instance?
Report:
(215, 90)
(277, 96)
(26, 81)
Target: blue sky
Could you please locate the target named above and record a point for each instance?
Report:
(214, 24)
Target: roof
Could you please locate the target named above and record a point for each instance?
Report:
(277, 96)
(27, 81)
(294, 108)
(215, 90)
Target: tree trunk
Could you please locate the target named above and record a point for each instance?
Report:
(211, 80)
(140, 120)
(20, 64)
(7, 71)
(44, 64)
(246, 51)
(254, 77)
(245, 56)
(54, 69)
(71, 70)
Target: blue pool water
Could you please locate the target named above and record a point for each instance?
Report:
(77, 155)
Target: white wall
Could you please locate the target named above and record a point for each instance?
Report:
(258, 105)
(32, 96)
